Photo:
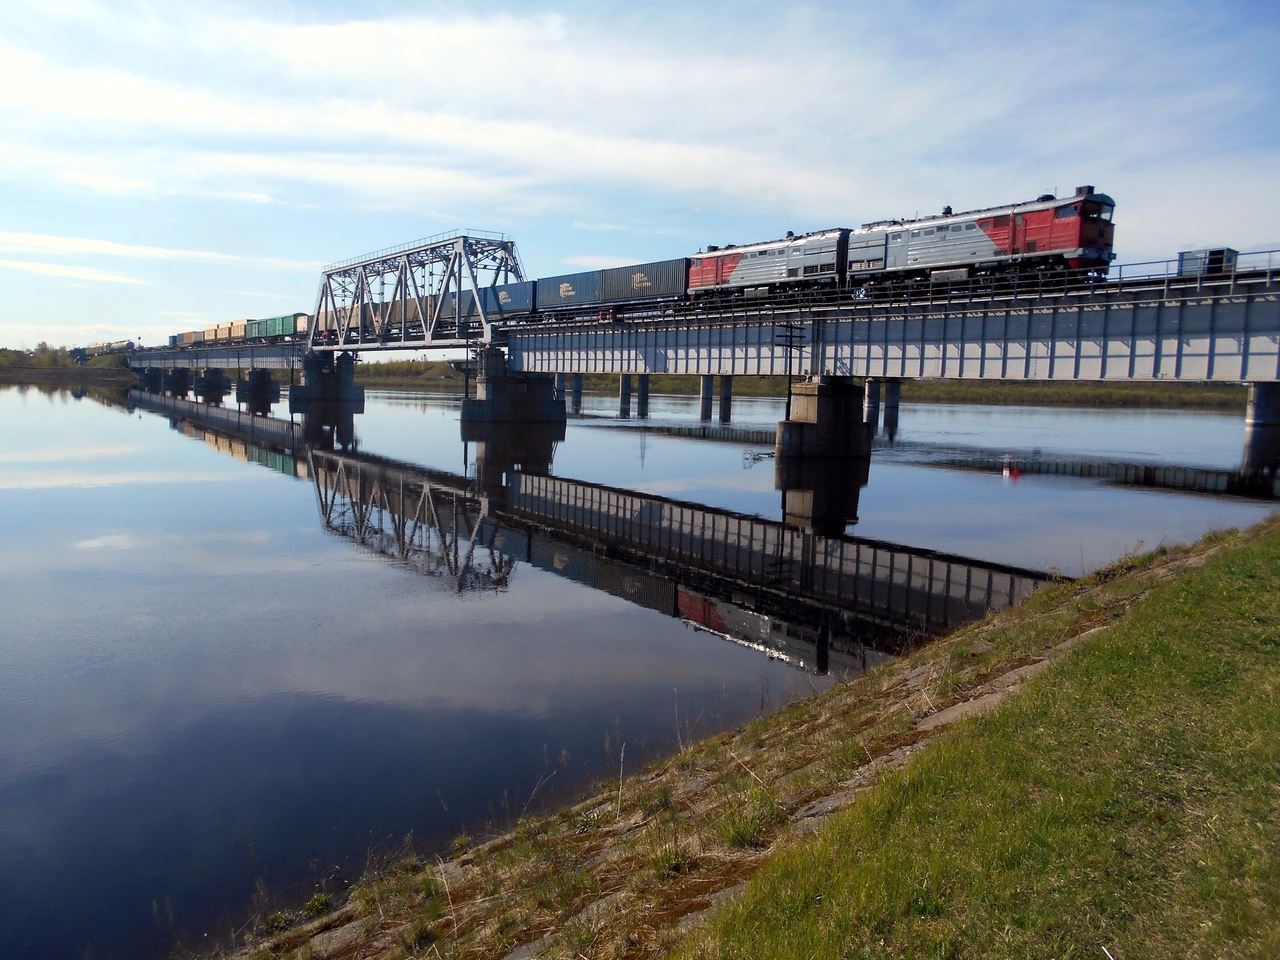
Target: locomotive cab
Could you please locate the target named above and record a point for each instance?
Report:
(1083, 230)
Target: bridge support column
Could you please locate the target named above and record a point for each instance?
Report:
(560, 381)
(177, 382)
(892, 393)
(258, 392)
(826, 420)
(642, 396)
(624, 396)
(1262, 429)
(704, 398)
(726, 399)
(328, 378)
(871, 405)
(151, 379)
(212, 385)
(506, 397)
(577, 393)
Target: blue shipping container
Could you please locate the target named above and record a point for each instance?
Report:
(644, 281)
(570, 290)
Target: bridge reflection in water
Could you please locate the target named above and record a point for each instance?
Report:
(799, 590)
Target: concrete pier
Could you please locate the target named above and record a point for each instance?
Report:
(892, 394)
(151, 380)
(177, 382)
(825, 421)
(705, 385)
(726, 399)
(505, 397)
(329, 378)
(624, 396)
(212, 386)
(576, 400)
(1262, 429)
(258, 391)
(871, 405)
(642, 396)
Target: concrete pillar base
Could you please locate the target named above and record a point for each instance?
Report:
(505, 397)
(704, 398)
(177, 382)
(258, 391)
(642, 396)
(892, 393)
(329, 379)
(576, 399)
(211, 386)
(726, 399)
(871, 406)
(826, 420)
(1262, 429)
(624, 397)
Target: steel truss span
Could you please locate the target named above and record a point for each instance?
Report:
(428, 293)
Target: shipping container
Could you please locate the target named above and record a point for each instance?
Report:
(238, 329)
(301, 322)
(570, 290)
(1193, 263)
(173, 339)
(197, 336)
(211, 333)
(643, 281)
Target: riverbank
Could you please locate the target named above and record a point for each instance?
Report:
(437, 375)
(66, 376)
(1123, 798)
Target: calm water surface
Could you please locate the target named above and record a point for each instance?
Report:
(201, 688)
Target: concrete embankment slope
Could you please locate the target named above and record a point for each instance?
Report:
(1098, 768)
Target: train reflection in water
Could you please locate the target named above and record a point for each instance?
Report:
(798, 590)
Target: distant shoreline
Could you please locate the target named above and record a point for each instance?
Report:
(68, 376)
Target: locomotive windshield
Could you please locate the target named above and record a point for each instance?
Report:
(1094, 210)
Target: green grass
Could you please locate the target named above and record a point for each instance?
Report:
(1128, 799)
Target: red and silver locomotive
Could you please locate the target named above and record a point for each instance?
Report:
(1047, 233)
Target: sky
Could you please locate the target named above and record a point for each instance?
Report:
(165, 166)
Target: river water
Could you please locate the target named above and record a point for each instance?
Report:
(208, 689)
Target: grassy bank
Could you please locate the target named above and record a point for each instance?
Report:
(1096, 767)
(1129, 800)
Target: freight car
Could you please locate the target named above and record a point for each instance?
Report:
(269, 330)
(115, 346)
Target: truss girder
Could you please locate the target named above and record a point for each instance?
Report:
(414, 297)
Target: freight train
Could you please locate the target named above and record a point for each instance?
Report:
(1046, 234)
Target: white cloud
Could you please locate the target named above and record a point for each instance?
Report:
(106, 184)
(44, 243)
(68, 273)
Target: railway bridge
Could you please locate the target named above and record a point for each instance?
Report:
(845, 349)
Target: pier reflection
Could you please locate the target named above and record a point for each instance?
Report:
(797, 589)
